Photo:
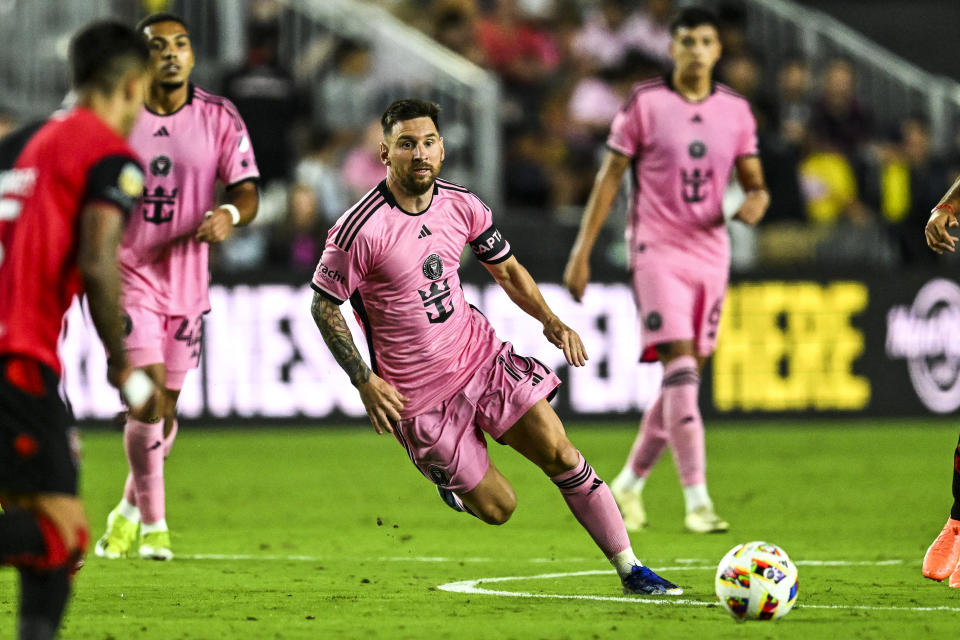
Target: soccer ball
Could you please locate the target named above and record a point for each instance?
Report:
(757, 581)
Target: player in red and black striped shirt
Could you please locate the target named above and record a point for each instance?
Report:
(63, 206)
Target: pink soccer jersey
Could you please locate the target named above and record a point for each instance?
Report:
(400, 272)
(185, 153)
(683, 154)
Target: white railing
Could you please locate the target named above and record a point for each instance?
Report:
(889, 85)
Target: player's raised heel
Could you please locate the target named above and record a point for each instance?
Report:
(942, 556)
(631, 508)
(117, 541)
(643, 581)
(705, 520)
(156, 546)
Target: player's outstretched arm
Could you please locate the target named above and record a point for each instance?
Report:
(101, 228)
(381, 400)
(750, 174)
(523, 290)
(242, 198)
(605, 187)
(943, 217)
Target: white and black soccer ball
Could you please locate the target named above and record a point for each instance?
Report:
(757, 581)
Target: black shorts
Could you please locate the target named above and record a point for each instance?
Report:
(36, 455)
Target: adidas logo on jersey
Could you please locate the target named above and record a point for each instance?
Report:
(424, 232)
(162, 131)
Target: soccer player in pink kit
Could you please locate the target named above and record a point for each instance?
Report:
(440, 376)
(682, 135)
(188, 139)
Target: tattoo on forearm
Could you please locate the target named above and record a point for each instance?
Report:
(336, 334)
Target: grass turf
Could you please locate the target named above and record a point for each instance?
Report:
(331, 533)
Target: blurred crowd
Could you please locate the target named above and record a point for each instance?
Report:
(846, 188)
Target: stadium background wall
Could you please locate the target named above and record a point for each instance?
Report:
(883, 345)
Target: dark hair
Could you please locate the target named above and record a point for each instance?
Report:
(693, 17)
(160, 17)
(103, 52)
(408, 109)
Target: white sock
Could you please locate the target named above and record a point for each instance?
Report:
(627, 480)
(696, 496)
(159, 525)
(128, 511)
(624, 562)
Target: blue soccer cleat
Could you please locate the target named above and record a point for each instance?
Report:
(643, 581)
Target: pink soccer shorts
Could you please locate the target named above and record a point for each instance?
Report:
(446, 442)
(678, 302)
(156, 338)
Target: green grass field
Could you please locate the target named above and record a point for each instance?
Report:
(331, 533)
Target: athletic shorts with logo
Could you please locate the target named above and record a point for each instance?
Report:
(677, 301)
(174, 341)
(37, 452)
(446, 443)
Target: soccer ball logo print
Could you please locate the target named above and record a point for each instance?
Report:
(756, 581)
(433, 266)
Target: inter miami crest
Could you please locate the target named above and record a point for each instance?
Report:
(433, 267)
(160, 166)
(697, 149)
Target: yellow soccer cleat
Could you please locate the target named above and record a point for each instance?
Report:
(156, 546)
(116, 543)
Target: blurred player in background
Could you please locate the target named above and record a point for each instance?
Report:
(441, 377)
(63, 206)
(681, 136)
(942, 559)
(188, 139)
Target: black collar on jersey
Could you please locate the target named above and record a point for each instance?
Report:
(189, 100)
(668, 80)
(385, 192)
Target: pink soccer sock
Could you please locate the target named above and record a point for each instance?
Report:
(169, 438)
(651, 440)
(143, 443)
(681, 418)
(590, 500)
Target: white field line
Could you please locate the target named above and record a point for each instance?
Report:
(684, 562)
(472, 587)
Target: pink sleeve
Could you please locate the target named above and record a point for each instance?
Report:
(339, 272)
(748, 139)
(626, 132)
(236, 151)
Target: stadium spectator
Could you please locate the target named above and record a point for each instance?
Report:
(269, 101)
(73, 186)
(297, 243)
(453, 28)
(440, 376)
(838, 118)
(906, 177)
(794, 106)
(361, 163)
(319, 170)
(193, 139)
(615, 27)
